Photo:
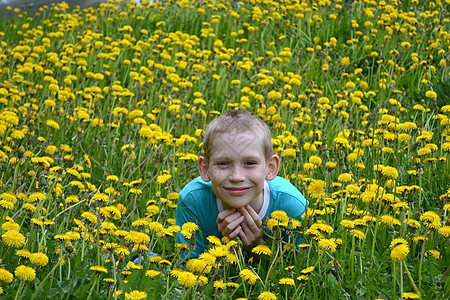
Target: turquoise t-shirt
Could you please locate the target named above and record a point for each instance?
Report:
(198, 204)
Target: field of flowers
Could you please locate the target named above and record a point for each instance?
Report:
(102, 112)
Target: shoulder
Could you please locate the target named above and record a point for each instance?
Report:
(284, 194)
(196, 188)
(281, 187)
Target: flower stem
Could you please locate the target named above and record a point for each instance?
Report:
(401, 279)
(410, 278)
(352, 260)
(375, 233)
(19, 290)
(421, 257)
(92, 288)
(45, 279)
(394, 275)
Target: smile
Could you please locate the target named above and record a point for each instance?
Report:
(237, 191)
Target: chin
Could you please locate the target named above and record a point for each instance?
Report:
(236, 205)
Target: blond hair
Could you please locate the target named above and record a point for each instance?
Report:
(239, 121)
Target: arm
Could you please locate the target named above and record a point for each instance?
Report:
(186, 213)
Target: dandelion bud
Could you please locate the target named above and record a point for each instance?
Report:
(192, 241)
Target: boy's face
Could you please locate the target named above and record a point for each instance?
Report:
(238, 168)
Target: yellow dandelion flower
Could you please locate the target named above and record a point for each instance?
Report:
(208, 258)
(408, 295)
(436, 254)
(431, 219)
(287, 281)
(262, 249)
(399, 252)
(389, 172)
(140, 222)
(358, 234)
(152, 273)
(302, 278)
(308, 270)
(7, 226)
(315, 160)
(279, 216)
(212, 239)
(13, 238)
(431, 94)
(39, 259)
(316, 189)
(52, 123)
(108, 280)
(187, 279)
(330, 165)
(6, 276)
(267, 296)
(100, 197)
(99, 269)
(398, 241)
(232, 285)
(218, 251)
(161, 179)
(122, 251)
(347, 224)
(25, 273)
(136, 295)
(290, 152)
(249, 276)
(345, 177)
(112, 178)
(444, 231)
(219, 285)
(90, 217)
(6, 204)
(24, 253)
(328, 244)
(389, 220)
(198, 266)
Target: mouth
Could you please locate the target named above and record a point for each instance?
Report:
(237, 191)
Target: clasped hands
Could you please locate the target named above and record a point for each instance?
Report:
(243, 222)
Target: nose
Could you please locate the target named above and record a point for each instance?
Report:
(237, 174)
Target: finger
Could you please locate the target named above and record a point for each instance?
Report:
(243, 238)
(245, 228)
(254, 215)
(229, 219)
(230, 227)
(235, 232)
(253, 221)
(222, 215)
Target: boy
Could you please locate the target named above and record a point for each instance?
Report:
(238, 183)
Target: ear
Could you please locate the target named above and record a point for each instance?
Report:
(273, 166)
(203, 168)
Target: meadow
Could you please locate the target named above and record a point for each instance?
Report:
(102, 113)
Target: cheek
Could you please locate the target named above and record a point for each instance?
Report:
(218, 174)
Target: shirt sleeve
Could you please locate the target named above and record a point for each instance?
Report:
(295, 208)
(187, 212)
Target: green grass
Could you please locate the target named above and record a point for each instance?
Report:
(128, 109)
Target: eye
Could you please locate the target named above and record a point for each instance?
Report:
(223, 163)
(250, 163)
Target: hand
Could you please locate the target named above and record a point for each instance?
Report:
(229, 222)
(251, 233)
